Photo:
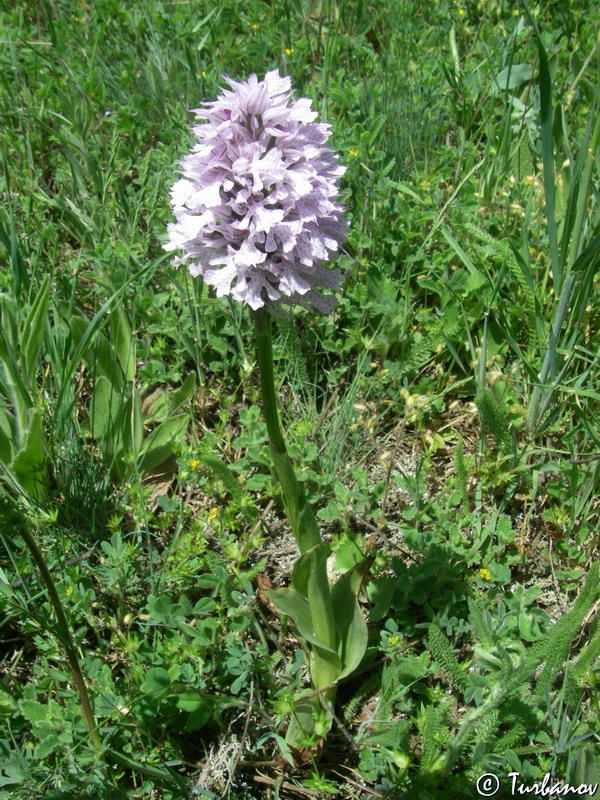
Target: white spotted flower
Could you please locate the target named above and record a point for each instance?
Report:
(257, 211)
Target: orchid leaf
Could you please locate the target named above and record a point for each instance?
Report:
(306, 566)
(157, 445)
(309, 578)
(7, 437)
(295, 606)
(105, 412)
(97, 351)
(123, 342)
(160, 408)
(33, 332)
(29, 466)
(351, 625)
(302, 722)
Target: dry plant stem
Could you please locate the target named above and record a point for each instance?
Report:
(280, 783)
(64, 633)
(298, 509)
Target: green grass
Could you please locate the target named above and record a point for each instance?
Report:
(445, 419)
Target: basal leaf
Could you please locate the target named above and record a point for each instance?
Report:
(350, 621)
(29, 466)
(6, 438)
(33, 332)
(122, 341)
(167, 403)
(157, 446)
(307, 565)
(106, 414)
(510, 77)
(295, 606)
(98, 354)
(302, 721)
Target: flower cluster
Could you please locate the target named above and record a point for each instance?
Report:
(257, 211)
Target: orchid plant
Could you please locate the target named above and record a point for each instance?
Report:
(258, 218)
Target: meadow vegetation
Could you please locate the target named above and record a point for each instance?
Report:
(445, 419)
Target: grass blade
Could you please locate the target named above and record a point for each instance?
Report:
(545, 86)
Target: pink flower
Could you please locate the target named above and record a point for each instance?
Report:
(257, 211)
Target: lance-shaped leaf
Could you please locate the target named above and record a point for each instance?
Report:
(309, 578)
(123, 342)
(302, 721)
(306, 566)
(157, 446)
(33, 332)
(13, 388)
(7, 437)
(29, 466)
(96, 349)
(295, 606)
(160, 406)
(106, 415)
(351, 626)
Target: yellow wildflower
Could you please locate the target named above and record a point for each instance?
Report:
(353, 152)
(203, 73)
(289, 51)
(255, 26)
(194, 463)
(213, 513)
(394, 640)
(485, 574)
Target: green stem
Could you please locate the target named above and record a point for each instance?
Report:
(64, 633)
(299, 511)
(300, 514)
